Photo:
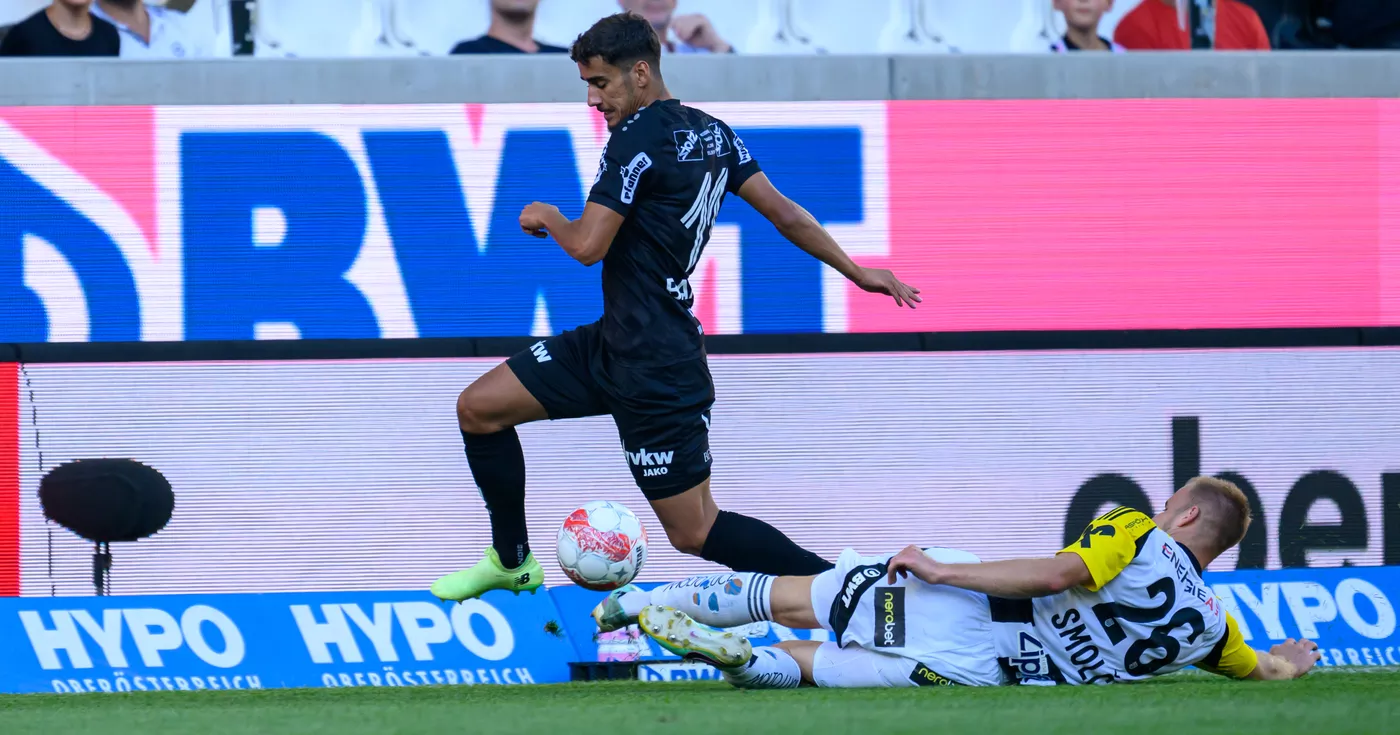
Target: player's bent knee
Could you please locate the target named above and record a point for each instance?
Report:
(804, 653)
(472, 416)
(790, 602)
(688, 539)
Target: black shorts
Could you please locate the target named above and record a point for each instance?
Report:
(662, 413)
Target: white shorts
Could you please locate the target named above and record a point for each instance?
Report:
(901, 634)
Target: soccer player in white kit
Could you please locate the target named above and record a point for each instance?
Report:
(1124, 602)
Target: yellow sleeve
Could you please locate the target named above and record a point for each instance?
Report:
(1110, 543)
(1231, 657)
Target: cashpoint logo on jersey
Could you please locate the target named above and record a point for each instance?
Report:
(215, 223)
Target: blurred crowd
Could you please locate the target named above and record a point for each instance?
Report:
(174, 29)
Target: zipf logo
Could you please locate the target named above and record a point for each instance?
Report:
(688, 146)
(654, 463)
(540, 352)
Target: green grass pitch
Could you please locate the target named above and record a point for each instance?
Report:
(1324, 703)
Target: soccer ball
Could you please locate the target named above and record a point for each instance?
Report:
(602, 546)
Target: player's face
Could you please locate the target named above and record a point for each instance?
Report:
(514, 6)
(1177, 513)
(1083, 13)
(657, 12)
(610, 90)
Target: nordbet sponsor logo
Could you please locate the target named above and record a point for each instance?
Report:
(1353, 621)
(889, 617)
(271, 222)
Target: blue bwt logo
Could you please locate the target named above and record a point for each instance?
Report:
(364, 233)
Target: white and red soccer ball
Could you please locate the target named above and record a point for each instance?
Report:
(602, 546)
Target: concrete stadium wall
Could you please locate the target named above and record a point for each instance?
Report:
(734, 78)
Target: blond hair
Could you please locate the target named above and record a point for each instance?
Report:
(1224, 510)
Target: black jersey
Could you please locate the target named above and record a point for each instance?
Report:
(666, 169)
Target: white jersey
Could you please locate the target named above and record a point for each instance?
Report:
(1146, 613)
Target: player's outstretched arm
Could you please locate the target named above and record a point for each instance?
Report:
(1288, 660)
(803, 230)
(1017, 578)
(585, 239)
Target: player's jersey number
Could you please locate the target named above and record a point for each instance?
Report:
(703, 213)
(1161, 637)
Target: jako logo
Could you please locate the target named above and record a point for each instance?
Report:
(423, 626)
(655, 462)
(632, 175)
(152, 631)
(540, 351)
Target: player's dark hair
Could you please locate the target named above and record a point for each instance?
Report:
(1224, 508)
(620, 40)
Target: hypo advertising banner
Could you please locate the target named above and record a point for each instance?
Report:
(91, 644)
(350, 475)
(394, 639)
(216, 223)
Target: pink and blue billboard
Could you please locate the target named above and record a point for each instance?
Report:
(199, 223)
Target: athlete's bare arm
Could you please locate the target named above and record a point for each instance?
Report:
(585, 239)
(803, 230)
(1288, 660)
(1010, 578)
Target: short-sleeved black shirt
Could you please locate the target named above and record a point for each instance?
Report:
(667, 170)
(489, 45)
(36, 36)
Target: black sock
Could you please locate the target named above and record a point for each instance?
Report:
(747, 544)
(498, 466)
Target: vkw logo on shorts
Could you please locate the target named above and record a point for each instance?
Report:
(653, 464)
(843, 608)
(889, 617)
(632, 175)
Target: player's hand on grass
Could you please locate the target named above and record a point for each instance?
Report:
(534, 216)
(913, 560)
(1302, 654)
(880, 280)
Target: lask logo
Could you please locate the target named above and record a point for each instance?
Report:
(655, 463)
(423, 625)
(152, 630)
(632, 175)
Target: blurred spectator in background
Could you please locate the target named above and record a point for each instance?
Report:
(150, 31)
(1082, 26)
(1367, 23)
(512, 31)
(1153, 26)
(65, 28)
(680, 34)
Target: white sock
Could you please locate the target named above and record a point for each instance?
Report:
(769, 668)
(721, 600)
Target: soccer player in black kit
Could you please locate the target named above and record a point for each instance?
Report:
(663, 176)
